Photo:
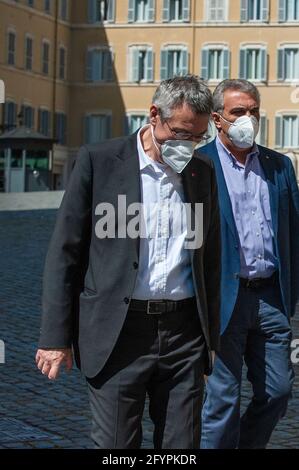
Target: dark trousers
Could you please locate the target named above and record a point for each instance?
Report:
(259, 332)
(159, 355)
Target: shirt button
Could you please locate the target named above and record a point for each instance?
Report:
(126, 300)
(135, 265)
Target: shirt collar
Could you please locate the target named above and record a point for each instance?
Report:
(231, 158)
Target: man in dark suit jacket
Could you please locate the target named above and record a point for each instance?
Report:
(259, 208)
(141, 312)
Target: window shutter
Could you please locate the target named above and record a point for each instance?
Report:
(280, 64)
(39, 124)
(205, 64)
(264, 130)
(164, 65)
(244, 11)
(184, 62)
(89, 61)
(131, 11)
(261, 138)
(151, 10)
(242, 69)
(149, 66)
(278, 131)
(87, 129)
(166, 11)
(282, 14)
(226, 63)
(126, 125)
(49, 122)
(108, 67)
(108, 125)
(92, 12)
(263, 76)
(135, 64)
(265, 10)
(186, 10)
(111, 11)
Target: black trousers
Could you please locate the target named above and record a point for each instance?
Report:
(159, 355)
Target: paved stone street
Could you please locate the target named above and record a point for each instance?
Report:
(35, 412)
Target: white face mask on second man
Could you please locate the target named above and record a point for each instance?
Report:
(175, 153)
(243, 131)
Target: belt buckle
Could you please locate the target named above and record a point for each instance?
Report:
(149, 302)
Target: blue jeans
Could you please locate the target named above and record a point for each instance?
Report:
(259, 333)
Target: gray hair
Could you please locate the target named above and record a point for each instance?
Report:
(187, 89)
(233, 84)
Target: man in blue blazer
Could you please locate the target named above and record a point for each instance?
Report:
(259, 205)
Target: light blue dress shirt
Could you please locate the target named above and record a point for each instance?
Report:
(249, 195)
(164, 270)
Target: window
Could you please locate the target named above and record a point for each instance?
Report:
(30, 3)
(47, 6)
(10, 115)
(62, 63)
(141, 10)
(28, 53)
(60, 128)
(44, 122)
(101, 10)
(63, 10)
(174, 61)
(214, 63)
(287, 131)
(141, 64)
(97, 128)
(45, 57)
(288, 63)
(11, 56)
(216, 10)
(262, 136)
(134, 122)
(99, 65)
(28, 116)
(288, 10)
(253, 63)
(254, 10)
(176, 10)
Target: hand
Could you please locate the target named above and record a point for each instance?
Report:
(49, 361)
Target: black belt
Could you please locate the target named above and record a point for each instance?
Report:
(257, 282)
(157, 307)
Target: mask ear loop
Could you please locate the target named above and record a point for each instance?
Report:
(154, 140)
(228, 122)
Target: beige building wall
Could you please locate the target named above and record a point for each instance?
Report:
(78, 97)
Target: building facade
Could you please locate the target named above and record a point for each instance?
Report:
(81, 71)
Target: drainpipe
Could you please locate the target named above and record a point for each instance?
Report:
(55, 53)
(193, 19)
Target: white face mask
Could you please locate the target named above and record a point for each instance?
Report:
(243, 131)
(176, 153)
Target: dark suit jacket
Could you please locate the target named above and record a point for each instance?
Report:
(88, 281)
(284, 202)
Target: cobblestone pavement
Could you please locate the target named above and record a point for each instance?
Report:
(35, 412)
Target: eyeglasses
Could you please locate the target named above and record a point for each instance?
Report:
(178, 135)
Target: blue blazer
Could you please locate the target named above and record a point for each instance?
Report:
(284, 202)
